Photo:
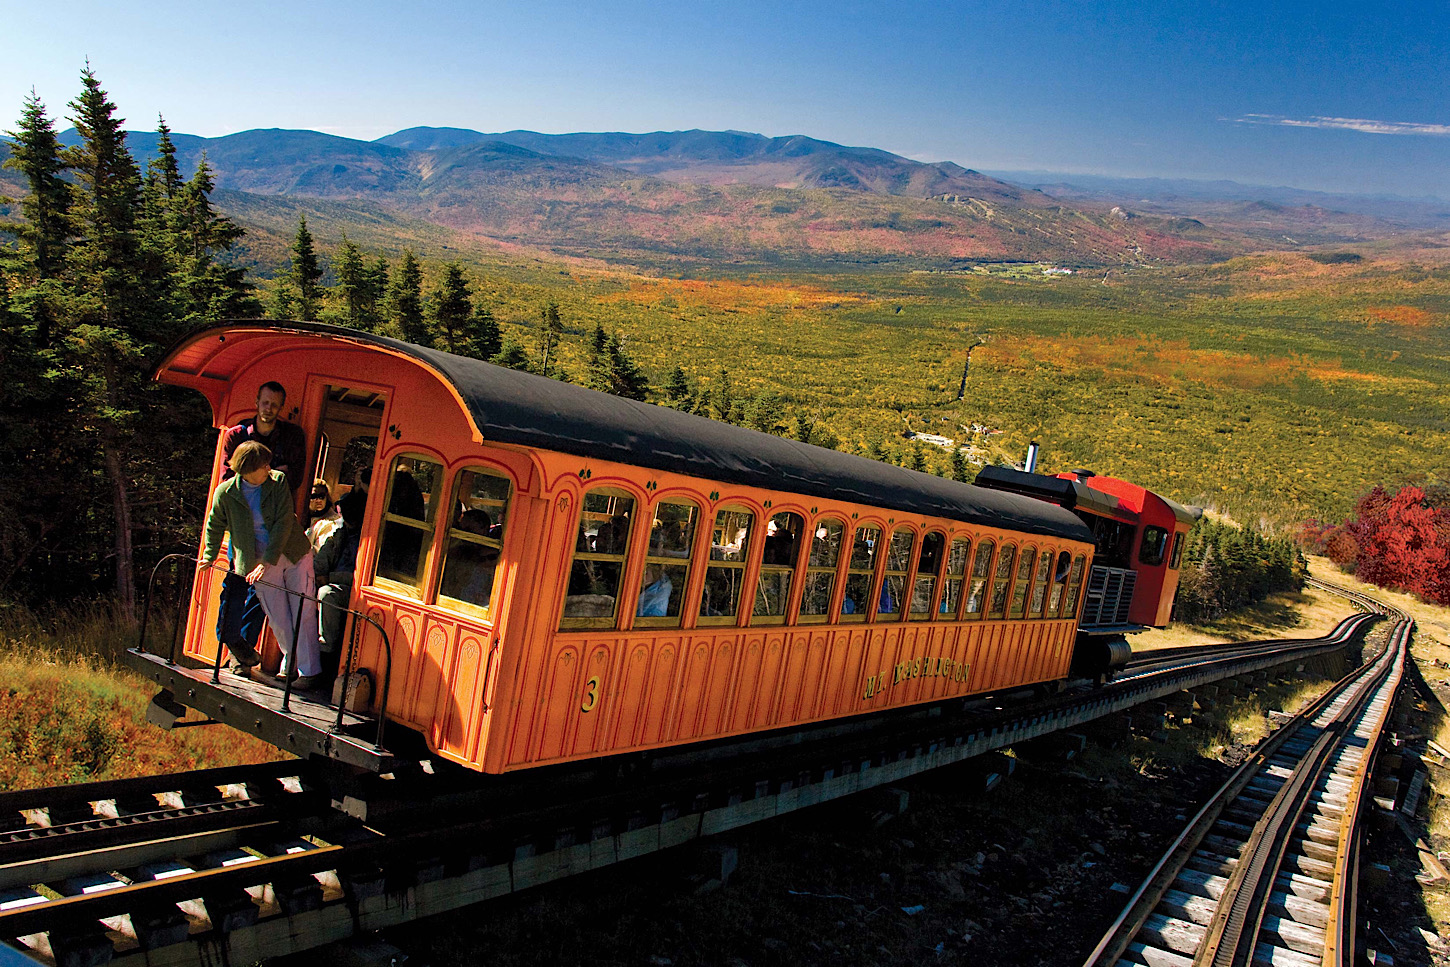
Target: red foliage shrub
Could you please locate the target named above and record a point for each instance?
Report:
(1402, 542)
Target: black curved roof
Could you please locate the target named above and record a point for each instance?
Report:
(519, 408)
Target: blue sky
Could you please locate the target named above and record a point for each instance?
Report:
(1347, 97)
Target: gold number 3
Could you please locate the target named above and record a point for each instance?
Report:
(591, 694)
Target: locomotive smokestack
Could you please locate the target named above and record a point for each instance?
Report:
(1031, 465)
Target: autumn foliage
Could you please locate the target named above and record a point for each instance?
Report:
(1396, 539)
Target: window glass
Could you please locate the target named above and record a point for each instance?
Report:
(821, 569)
(1002, 581)
(1154, 546)
(600, 548)
(1023, 582)
(860, 574)
(1059, 584)
(1039, 584)
(475, 537)
(951, 594)
(898, 562)
(408, 521)
(777, 565)
(981, 571)
(928, 567)
(1074, 585)
(1177, 558)
(725, 576)
(666, 564)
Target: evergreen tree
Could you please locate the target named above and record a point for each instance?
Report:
(722, 397)
(375, 292)
(916, 459)
(677, 391)
(762, 412)
(628, 379)
(163, 170)
(450, 309)
(352, 284)
(596, 364)
(513, 356)
(304, 274)
(45, 235)
(487, 340)
(550, 329)
(959, 466)
(405, 302)
(209, 290)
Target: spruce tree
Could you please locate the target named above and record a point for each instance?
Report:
(405, 302)
(304, 274)
(450, 310)
(209, 290)
(375, 292)
(352, 284)
(487, 340)
(45, 235)
(677, 390)
(959, 466)
(627, 379)
(513, 356)
(163, 170)
(550, 329)
(722, 398)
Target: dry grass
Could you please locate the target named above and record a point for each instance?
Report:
(1303, 614)
(70, 713)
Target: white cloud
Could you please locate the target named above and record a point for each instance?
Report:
(1363, 125)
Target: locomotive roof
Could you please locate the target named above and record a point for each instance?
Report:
(508, 406)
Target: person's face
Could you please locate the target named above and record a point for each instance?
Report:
(269, 405)
(318, 504)
(258, 475)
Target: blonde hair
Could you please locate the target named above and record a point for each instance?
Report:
(248, 457)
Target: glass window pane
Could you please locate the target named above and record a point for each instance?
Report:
(411, 489)
(400, 553)
(921, 596)
(863, 548)
(893, 589)
(826, 544)
(982, 566)
(858, 594)
(1024, 580)
(593, 589)
(773, 592)
(951, 595)
(957, 557)
(672, 534)
(1002, 581)
(484, 499)
(730, 540)
(898, 554)
(468, 571)
(816, 598)
(977, 597)
(721, 597)
(931, 554)
(662, 590)
(604, 524)
(782, 538)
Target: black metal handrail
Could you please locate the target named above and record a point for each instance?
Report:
(184, 600)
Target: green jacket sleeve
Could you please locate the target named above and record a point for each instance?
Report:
(216, 527)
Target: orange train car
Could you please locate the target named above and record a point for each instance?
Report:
(547, 573)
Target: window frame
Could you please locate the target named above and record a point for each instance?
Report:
(834, 570)
(1072, 592)
(936, 577)
(868, 612)
(1162, 546)
(794, 568)
(746, 566)
(448, 602)
(902, 606)
(962, 579)
(429, 528)
(1175, 559)
(580, 623)
(688, 562)
(1041, 581)
(1057, 587)
(1021, 583)
(992, 546)
(1006, 583)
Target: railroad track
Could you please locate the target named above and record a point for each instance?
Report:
(1264, 873)
(255, 863)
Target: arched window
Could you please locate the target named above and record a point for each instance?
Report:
(951, 595)
(600, 549)
(861, 572)
(1074, 585)
(408, 516)
(1024, 581)
(1002, 581)
(821, 569)
(1039, 584)
(1059, 584)
(777, 566)
(666, 565)
(475, 539)
(928, 567)
(725, 575)
(898, 564)
(978, 590)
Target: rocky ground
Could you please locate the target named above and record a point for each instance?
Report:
(1031, 873)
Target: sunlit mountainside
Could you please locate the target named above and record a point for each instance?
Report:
(702, 198)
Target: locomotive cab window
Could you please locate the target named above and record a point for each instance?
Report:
(860, 574)
(928, 566)
(600, 549)
(725, 574)
(898, 564)
(666, 565)
(777, 567)
(821, 570)
(408, 523)
(1002, 581)
(1024, 579)
(475, 539)
(1177, 559)
(1154, 547)
(951, 595)
(978, 590)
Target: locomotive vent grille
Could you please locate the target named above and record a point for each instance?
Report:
(1109, 596)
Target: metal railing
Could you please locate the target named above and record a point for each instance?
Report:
(1109, 596)
(347, 665)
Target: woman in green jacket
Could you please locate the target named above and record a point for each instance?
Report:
(271, 550)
